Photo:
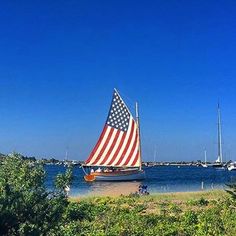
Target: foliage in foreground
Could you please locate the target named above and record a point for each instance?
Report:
(26, 208)
(137, 216)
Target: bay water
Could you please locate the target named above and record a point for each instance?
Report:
(159, 179)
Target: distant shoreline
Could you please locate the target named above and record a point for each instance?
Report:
(67, 162)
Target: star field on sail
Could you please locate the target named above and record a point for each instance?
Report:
(118, 147)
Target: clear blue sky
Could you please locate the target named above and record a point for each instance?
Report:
(60, 61)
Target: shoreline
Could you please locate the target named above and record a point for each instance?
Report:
(128, 188)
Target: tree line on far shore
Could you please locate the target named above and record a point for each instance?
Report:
(30, 158)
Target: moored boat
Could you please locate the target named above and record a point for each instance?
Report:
(232, 166)
(117, 154)
(219, 162)
(205, 164)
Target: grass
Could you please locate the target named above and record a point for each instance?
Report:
(188, 213)
(155, 203)
(185, 196)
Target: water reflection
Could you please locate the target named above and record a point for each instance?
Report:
(113, 188)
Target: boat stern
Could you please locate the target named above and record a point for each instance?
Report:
(89, 178)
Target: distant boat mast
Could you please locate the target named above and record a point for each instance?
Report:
(220, 156)
(205, 154)
(66, 156)
(155, 153)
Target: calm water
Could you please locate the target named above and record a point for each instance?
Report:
(158, 179)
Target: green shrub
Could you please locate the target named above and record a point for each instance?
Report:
(197, 202)
(202, 202)
(26, 208)
(210, 223)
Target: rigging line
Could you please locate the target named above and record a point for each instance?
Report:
(128, 100)
(83, 170)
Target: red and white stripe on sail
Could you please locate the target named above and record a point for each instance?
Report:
(117, 147)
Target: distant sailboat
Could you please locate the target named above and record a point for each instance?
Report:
(155, 155)
(66, 161)
(219, 161)
(205, 164)
(151, 164)
(117, 154)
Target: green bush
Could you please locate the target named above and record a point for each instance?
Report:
(26, 208)
(197, 202)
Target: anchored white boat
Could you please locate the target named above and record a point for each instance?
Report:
(117, 154)
(232, 166)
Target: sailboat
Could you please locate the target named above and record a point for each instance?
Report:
(66, 162)
(205, 164)
(219, 161)
(152, 164)
(117, 153)
(155, 155)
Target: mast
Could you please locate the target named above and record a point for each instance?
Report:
(220, 158)
(138, 124)
(155, 153)
(205, 153)
(66, 156)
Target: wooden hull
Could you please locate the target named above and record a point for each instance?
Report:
(116, 176)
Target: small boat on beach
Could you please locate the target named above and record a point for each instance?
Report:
(117, 154)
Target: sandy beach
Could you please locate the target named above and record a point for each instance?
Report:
(175, 196)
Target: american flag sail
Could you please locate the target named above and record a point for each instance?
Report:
(118, 144)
